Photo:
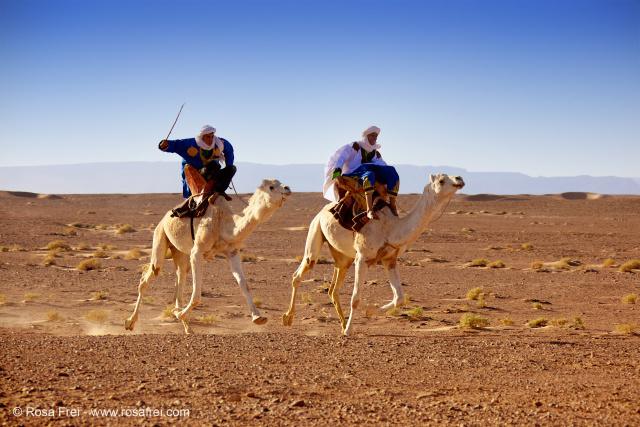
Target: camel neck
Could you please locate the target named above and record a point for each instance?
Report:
(251, 217)
(411, 226)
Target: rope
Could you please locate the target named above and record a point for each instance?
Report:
(234, 190)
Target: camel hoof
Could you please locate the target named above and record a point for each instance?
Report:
(128, 324)
(259, 320)
(287, 319)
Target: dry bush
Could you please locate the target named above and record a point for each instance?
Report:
(83, 247)
(58, 244)
(48, 260)
(97, 316)
(102, 227)
(537, 265)
(416, 313)
(306, 298)
(69, 232)
(627, 329)
(31, 296)
(496, 264)
(125, 228)
(4, 248)
(630, 299)
(467, 230)
(393, 312)
(506, 321)
(609, 262)
(577, 323)
(107, 247)
(537, 323)
(537, 306)
(628, 266)
(100, 254)
(99, 295)
(54, 316)
(89, 264)
(559, 323)
(168, 311)
(474, 293)
(134, 253)
(3, 299)
(248, 257)
(257, 302)
(479, 262)
(208, 319)
(526, 247)
(473, 321)
(480, 302)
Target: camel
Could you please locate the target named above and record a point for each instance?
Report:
(219, 231)
(379, 241)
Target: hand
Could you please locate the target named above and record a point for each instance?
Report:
(336, 173)
(164, 144)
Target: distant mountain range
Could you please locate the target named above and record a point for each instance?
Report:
(163, 177)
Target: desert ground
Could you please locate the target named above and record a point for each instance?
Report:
(547, 335)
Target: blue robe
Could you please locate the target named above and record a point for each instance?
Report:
(195, 156)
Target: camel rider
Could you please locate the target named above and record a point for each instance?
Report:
(201, 156)
(363, 161)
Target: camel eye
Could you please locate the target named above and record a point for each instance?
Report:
(441, 181)
(271, 187)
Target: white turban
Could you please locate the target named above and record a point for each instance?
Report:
(206, 130)
(364, 143)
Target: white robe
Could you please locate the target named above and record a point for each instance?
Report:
(347, 159)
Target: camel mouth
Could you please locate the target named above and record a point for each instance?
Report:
(458, 186)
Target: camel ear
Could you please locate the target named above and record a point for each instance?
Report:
(432, 178)
(265, 183)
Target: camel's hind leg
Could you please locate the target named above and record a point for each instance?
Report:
(158, 251)
(396, 284)
(361, 272)
(334, 294)
(311, 253)
(236, 269)
(195, 258)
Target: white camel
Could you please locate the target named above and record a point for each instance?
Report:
(219, 231)
(379, 241)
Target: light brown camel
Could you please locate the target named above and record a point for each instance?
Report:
(379, 241)
(219, 231)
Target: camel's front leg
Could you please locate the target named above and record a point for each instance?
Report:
(361, 271)
(396, 287)
(303, 268)
(334, 293)
(236, 269)
(181, 261)
(196, 273)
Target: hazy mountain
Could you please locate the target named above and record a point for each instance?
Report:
(163, 177)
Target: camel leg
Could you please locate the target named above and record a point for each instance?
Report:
(236, 269)
(332, 285)
(159, 248)
(181, 261)
(335, 297)
(196, 272)
(396, 286)
(312, 249)
(361, 271)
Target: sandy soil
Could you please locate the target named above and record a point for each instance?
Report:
(63, 347)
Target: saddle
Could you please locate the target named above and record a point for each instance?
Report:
(351, 210)
(198, 186)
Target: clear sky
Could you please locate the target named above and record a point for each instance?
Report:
(541, 87)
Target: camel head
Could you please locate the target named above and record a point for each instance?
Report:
(273, 192)
(445, 185)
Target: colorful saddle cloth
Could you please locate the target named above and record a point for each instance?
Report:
(351, 209)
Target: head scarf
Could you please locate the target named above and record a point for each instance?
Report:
(217, 142)
(364, 142)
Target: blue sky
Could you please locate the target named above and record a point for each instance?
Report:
(546, 88)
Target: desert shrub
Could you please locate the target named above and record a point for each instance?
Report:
(609, 262)
(629, 299)
(306, 298)
(248, 257)
(102, 227)
(134, 253)
(393, 312)
(480, 262)
(473, 321)
(630, 265)
(559, 323)
(480, 301)
(526, 247)
(474, 293)
(48, 260)
(58, 244)
(415, 313)
(257, 302)
(125, 228)
(506, 321)
(577, 323)
(467, 230)
(89, 264)
(626, 328)
(496, 264)
(3, 299)
(536, 306)
(107, 247)
(31, 296)
(54, 316)
(69, 231)
(207, 319)
(537, 265)
(83, 246)
(99, 295)
(100, 254)
(537, 323)
(168, 311)
(97, 316)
